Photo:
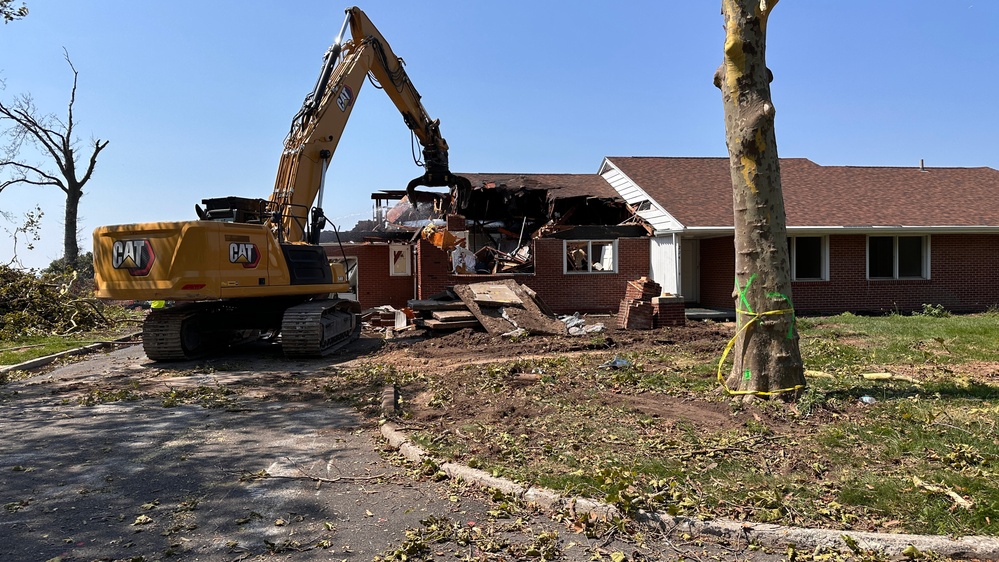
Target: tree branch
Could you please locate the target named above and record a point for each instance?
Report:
(98, 147)
(51, 180)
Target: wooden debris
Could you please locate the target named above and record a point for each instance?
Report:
(503, 306)
(453, 315)
(437, 325)
(435, 305)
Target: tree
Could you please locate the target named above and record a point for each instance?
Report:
(766, 357)
(54, 139)
(10, 13)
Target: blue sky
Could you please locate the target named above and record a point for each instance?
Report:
(196, 97)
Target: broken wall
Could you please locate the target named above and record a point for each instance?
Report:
(565, 293)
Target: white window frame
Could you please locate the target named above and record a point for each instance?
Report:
(823, 248)
(403, 269)
(895, 277)
(589, 254)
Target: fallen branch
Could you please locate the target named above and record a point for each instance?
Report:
(889, 377)
(958, 499)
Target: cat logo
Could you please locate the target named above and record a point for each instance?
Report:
(243, 253)
(344, 98)
(134, 256)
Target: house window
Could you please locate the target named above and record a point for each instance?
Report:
(898, 257)
(809, 258)
(590, 256)
(399, 260)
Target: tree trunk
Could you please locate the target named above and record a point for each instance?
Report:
(70, 245)
(766, 358)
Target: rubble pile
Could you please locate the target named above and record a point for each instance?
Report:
(501, 308)
(645, 308)
(636, 312)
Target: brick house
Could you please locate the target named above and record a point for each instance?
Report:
(584, 244)
(862, 239)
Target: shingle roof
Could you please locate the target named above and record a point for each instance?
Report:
(698, 193)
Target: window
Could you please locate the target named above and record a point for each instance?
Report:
(399, 259)
(809, 258)
(898, 257)
(590, 256)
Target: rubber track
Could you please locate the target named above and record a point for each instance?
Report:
(161, 335)
(302, 329)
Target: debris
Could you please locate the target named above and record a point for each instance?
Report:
(868, 400)
(463, 261)
(502, 306)
(615, 363)
(636, 311)
(577, 326)
(439, 236)
(888, 377)
(453, 315)
(387, 317)
(957, 498)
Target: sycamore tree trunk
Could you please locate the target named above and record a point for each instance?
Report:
(765, 354)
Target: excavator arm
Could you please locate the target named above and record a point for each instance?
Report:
(316, 129)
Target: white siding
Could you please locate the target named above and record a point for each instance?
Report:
(663, 266)
(633, 194)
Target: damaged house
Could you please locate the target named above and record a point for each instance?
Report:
(570, 238)
(861, 239)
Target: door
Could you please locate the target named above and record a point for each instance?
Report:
(690, 270)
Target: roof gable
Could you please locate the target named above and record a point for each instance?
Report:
(698, 192)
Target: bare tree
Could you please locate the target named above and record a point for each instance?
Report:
(11, 13)
(766, 357)
(54, 139)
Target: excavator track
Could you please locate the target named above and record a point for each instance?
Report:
(318, 328)
(172, 335)
(190, 332)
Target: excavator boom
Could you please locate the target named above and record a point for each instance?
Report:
(317, 128)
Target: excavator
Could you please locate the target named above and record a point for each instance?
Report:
(249, 268)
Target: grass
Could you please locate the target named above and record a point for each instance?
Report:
(923, 458)
(24, 349)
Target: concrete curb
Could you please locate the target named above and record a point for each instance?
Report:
(981, 547)
(42, 361)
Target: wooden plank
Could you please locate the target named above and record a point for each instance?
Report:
(493, 294)
(453, 315)
(490, 318)
(438, 325)
(432, 305)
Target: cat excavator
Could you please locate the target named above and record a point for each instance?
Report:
(251, 267)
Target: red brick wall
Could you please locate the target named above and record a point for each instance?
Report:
(964, 277)
(375, 287)
(717, 272)
(563, 293)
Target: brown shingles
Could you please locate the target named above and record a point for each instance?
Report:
(697, 191)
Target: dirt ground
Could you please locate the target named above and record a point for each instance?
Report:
(443, 354)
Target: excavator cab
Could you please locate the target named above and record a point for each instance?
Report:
(234, 209)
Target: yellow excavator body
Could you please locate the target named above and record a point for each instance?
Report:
(205, 260)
